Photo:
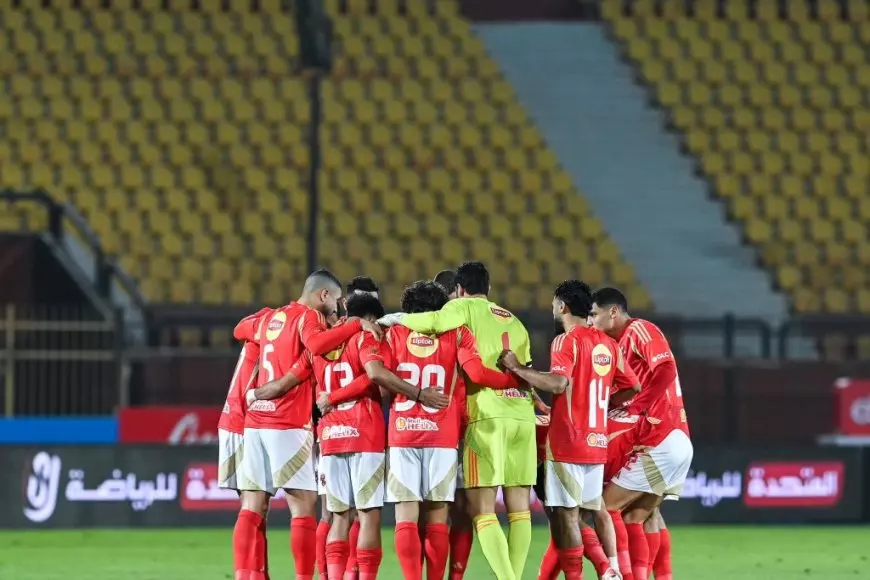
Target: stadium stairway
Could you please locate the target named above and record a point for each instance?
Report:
(618, 152)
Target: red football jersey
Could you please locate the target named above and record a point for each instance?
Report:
(282, 338)
(358, 425)
(593, 365)
(233, 415)
(646, 347)
(429, 361)
(248, 330)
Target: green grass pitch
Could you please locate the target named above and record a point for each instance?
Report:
(700, 553)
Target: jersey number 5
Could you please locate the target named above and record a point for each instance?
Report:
(428, 377)
(597, 403)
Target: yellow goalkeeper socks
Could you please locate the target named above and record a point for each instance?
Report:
(494, 546)
(519, 540)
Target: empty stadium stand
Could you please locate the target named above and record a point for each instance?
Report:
(181, 135)
(772, 100)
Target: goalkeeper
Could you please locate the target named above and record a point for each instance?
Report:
(500, 441)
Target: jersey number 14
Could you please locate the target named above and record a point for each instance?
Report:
(597, 403)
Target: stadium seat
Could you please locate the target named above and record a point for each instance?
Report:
(180, 134)
(774, 108)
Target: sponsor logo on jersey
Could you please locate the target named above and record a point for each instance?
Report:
(275, 326)
(500, 313)
(266, 406)
(661, 356)
(602, 360)
(339, 432)
(421, 345)
(597, 440)
(415, 424)
(513, 394)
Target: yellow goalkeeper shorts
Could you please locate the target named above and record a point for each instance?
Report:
(500, 452)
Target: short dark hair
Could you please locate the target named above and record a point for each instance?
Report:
(473, 277)
(423, 296)
(610, 297)
(320, 279)
(576, 295)
(447, 279)
(361, 284)
(362, 305)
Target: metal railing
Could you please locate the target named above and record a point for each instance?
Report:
(65, 222)
(60, 361)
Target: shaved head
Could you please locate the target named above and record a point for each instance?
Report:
(322, 291)
(321, 280)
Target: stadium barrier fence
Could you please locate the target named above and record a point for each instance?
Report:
(172, 486)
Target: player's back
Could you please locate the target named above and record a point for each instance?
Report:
(578, 432)
(497, 329)
(426, 361)
(280, 347)
(353, 426)
(646, 347)
(248, 330)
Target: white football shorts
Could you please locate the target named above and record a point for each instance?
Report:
(661, 470)
(572, 485)
(274, 459)
(422, 473)
(353, 480)
(230, 453)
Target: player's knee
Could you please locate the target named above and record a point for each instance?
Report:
(256, 501)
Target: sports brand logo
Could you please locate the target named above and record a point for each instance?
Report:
(43, 482)
(602, 360)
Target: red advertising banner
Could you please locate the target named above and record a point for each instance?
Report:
(853, 407)
(173, 425)
(794, 484)
(200, 491)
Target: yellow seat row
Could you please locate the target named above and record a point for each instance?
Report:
(181, 135)
(774, 107)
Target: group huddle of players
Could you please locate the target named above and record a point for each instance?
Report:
(304, 414)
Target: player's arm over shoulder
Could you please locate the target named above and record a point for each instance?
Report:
(451, 316)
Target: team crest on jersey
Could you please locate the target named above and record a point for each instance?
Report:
(421, 345)
(501, 314)
(596, 440)
(275, 326)
(602, 360)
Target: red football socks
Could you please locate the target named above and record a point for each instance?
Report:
(639, 550)
(622, 551)
(352, 570)
(662, 564)
(653, 540)
(461, 539)
(408, 550)
(303, 537)
(369, 561)
(593, 550)
(571, 561)
(550, 567)
(249, 546)
(336, 559)
(322, 533)
(437, 550)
